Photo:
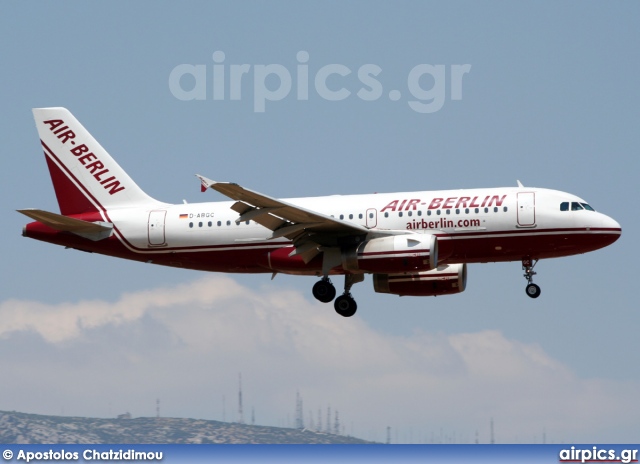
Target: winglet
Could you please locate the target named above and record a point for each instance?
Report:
(520, 184)
(204, 183)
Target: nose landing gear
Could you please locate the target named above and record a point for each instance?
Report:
(532, 290)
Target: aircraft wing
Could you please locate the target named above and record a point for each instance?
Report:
(307, 229)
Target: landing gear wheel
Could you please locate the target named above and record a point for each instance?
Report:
(324, 291)
(345, 305)
(533, 291)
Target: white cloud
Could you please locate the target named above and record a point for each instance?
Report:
(186, 345)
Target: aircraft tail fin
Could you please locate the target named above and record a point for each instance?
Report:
(85, 177)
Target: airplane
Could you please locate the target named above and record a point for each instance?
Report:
(413, 243)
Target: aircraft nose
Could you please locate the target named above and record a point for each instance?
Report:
(610, 223)
(612, 227)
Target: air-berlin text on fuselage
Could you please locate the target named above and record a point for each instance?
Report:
(442, 223)
(446, 203)
(85, 157)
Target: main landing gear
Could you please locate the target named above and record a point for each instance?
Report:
(345, 305)
(324, 291)
(532, 290)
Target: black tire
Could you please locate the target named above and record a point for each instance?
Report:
(345, 306)
(324, 291)
(533, 291)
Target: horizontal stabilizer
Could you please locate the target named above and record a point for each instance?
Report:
(92, 230)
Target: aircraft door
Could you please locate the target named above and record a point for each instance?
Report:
(372, 218)
(156, 228)
(526, 209)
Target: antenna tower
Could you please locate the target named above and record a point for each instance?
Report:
(240, 415)
(328, 429)
(299, 412)
(493, 441)
(311, 424)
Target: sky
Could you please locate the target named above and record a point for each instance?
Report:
(337, 98)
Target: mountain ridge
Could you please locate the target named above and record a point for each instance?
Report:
(24, 428)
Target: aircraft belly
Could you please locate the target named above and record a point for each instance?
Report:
(540, 244)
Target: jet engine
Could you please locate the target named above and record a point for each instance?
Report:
(396, 253)
(444, 280)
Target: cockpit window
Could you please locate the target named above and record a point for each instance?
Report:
(575, 206)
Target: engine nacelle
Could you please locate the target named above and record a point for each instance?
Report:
(396, 253)
(445, 280)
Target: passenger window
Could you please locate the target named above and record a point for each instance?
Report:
(420, 212)
(504, 209)
(386, 214)
(191, 224)
(209, 224)
(495, 209)
(410, 213)
(438, 212)
(360, 215)
(228, 223)
(370, 215)
(219, 223)
(199, 224)
(400, 214)
(477, 210)
(428, 212)
(466, 211)
(564, 206)
(342, 216)
(575, 206)
(457, 211)
(486, 210)
(351, 216)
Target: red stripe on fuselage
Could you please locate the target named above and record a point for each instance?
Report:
(253, 258)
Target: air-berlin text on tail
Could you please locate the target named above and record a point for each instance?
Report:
(446, 203)
(87, 158)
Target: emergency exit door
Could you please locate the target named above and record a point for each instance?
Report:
(526, 209)
(156, 228)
